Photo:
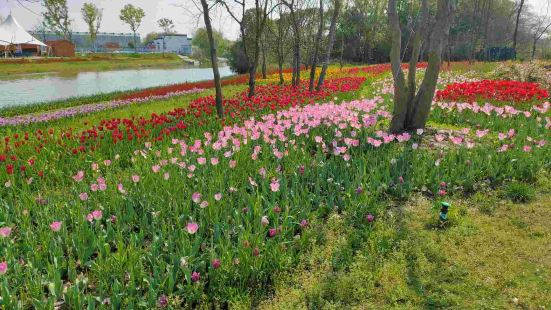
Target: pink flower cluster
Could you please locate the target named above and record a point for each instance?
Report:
(488, 109)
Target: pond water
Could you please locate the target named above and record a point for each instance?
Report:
(28, 89)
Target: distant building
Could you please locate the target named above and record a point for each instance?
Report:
(104, 41)
(61, 48)
(171, 43)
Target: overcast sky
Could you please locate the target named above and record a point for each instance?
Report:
(184, 19)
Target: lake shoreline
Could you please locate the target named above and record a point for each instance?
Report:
(93, 63)
(45, 106)
(23, 94)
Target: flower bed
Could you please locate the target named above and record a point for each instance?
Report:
(19, 149)
(88, 108)
(510, 91)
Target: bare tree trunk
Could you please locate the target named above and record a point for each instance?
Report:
(423, 100)
(214, 60)
(330, 43)
(519, 11)
(316, 49)
(534, 44)
(341, 59)
(264, 73)
(411, 110)
(398, 123)
(280, 64)
(296, 48)
(420, 30)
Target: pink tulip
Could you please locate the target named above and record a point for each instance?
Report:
(370, 218)
(192, 228)
(274, 186)
(195, 276)
(83, 196)
(3, 268)
(5, 232)
(55, 226)
(79, 176)
(196, 197)
(97, 214)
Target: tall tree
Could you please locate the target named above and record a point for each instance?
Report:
(56, 17)
(295, 19)
(515, 34)
(330, 42)
(167, 25)
(316, 48)
(540, 26)
(411, 108)
(213, 59)
(251, 27)
(92, 16)
(279, 33)
(133, 17)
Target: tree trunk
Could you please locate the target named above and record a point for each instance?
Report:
(214, 60)
(411, 110)
(420, 30)
(296, 47)
(516, 27)
(399, 117)
(280, 64)
(252, 80)
(316, 49)
(423, 100)
(330, 43)
(534, 43)
(264, 69)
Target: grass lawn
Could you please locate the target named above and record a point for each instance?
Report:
(101, 62)
(492, 254)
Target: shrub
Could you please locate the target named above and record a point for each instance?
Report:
(520, 192)
(525, 72)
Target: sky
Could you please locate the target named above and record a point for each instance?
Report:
(182, 12)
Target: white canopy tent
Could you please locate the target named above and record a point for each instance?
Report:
(11, 33)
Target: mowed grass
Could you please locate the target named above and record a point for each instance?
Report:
(492, 254)
(100, 62)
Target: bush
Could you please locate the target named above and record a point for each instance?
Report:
(524, 72)
(237, 59)
(520, 192)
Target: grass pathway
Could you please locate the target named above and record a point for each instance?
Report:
(493, 254)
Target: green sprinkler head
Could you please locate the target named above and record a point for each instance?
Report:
(444, 207)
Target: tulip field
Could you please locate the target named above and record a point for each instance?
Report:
(150, 201)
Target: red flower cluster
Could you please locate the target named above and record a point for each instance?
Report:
(511, 91)
(164, 90)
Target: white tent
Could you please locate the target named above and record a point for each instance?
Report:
(11, 33)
